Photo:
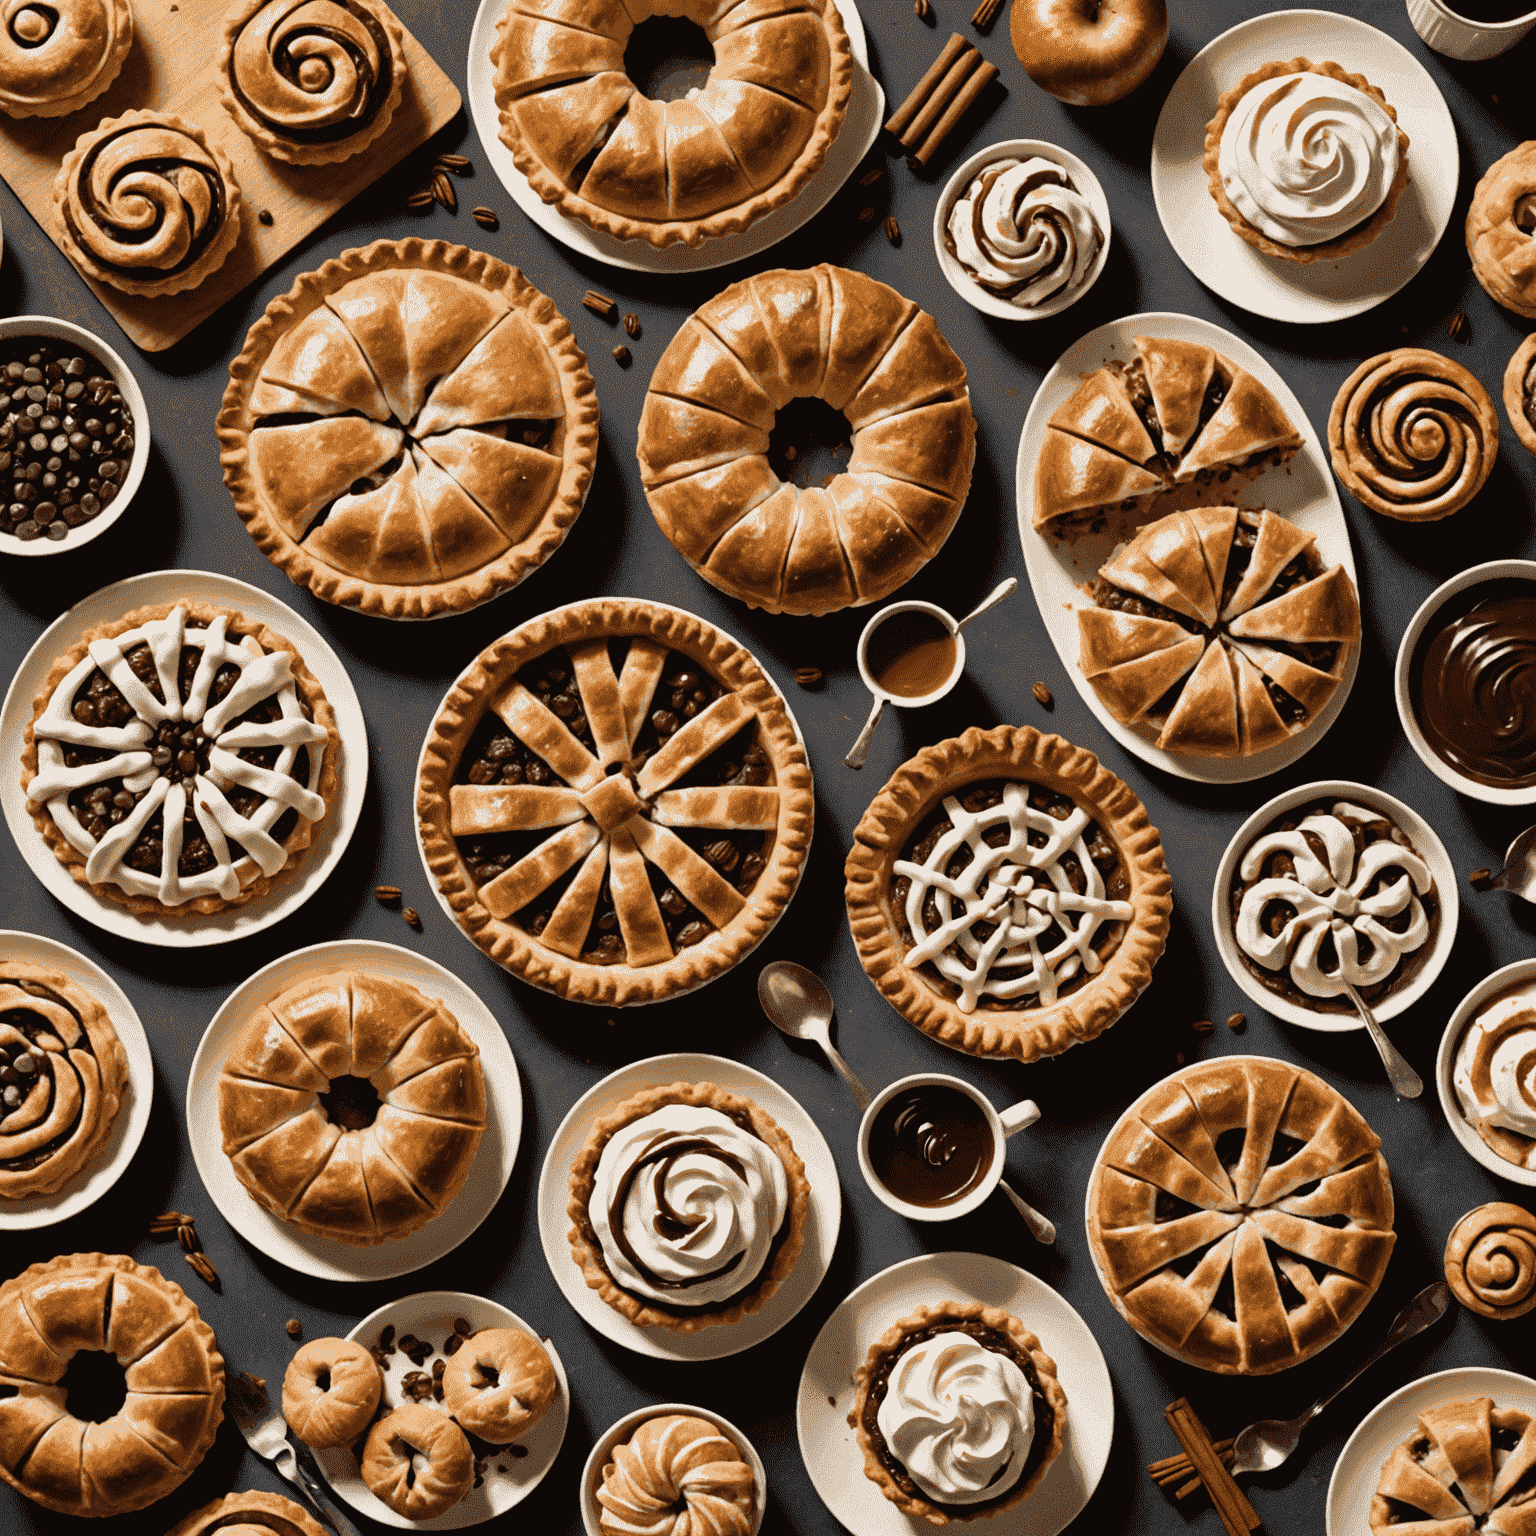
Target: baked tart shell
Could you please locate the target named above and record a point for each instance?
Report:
(1520, 367)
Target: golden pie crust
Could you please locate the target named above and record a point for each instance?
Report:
(1351, 240)
(913, 1502)
(80, 56)
(710, 164)
(462, 514)
(1490, 1260)
(1519, 387)
(1306, 1205)
(250, 1513)
(618, 820)
(1016, 754)
(585, 1248)
(1501, 230)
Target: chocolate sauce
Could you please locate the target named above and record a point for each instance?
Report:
(1473, 683)
(931, 1145)
(911, 654)
(1490, 10)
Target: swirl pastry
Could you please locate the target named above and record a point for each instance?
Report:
(56, 55)
(1494, 1074)
(1306, 161)
(1520, 392)
(312, 81)
(418, 1461)
(688, 1206)
(62, 1075)
(677, 1475)
(1501, 230)
(499, 1384)
(147, 203)
(1413, 434)
(252, 1513)
(331, 1392)
(1490, 1260)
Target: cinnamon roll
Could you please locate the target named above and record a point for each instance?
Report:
(1520, 389)
(1413, 434)
(56, 55)
(1490, 1260)
(312, 81)
(1501, 230)
(147, 203)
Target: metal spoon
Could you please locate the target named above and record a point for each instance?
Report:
(1406, 1083)
(1519, 872)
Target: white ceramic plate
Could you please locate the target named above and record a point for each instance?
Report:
(431, 1316)
(1425, 841)
(861, 125)
(93, 1181)
(328, 1258)
(289, 892)
(821, 1222)
(831, 1451)
(1303, 491)
(1270, 285)
(1358, 1468)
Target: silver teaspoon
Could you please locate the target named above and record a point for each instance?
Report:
(1406, 1083)
(798, 1005)
(1519, 872)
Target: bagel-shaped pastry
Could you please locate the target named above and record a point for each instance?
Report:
(252, 1513)
(1520, 392)
(1413, 434)
(677, 1475)
(57, 55)
(499, 1384)
(1490, 1260)
(418, 1462)
(331, 1392)
(1501, 230)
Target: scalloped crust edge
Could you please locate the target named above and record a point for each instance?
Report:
(1514, 391)
(224, 1511)
(112, 67)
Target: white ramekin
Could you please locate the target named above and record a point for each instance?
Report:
(1458, 38)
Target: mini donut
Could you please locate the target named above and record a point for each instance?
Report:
(499, 1384)
(331, 1392)
(390, 1469)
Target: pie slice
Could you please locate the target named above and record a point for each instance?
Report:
(1204, 721)
(301, 469)
(1247, 429)
(1178, 374)
(1099, 411)
(1133, 689)
(1077, 482)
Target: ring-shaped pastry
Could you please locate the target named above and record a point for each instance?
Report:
(499, 1384)
(331, 1392)
(1520, 392)
(1501, 230)
(57, 55)
(418, 1489)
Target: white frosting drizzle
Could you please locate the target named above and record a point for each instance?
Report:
(1330, 900)
(1020, 889)
(731, 1215)
(1504, 1033)
(262, 676)
(1304, 158)
(959, 1418)
(1022, 221)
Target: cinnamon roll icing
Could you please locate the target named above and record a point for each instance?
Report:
(1490, 1260)
(56, 55)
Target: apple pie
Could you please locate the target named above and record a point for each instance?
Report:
(1219, 629)
(1240, 1215)
(1177, 417)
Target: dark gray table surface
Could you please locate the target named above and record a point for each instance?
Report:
(183, 518)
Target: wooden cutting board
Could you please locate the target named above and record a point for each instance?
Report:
(170, 69)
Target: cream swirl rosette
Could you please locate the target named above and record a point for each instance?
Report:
(57, 55)
(1490, 1260)
(677, 1475)
(1494, 1075)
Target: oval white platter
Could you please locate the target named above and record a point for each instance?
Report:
(289, 892)
(822, 1218)
(93, 1181)
(830, 1449)
(431, 1316)
(861, 126)
(1302, 491)
(1269, 285)
(323, 1257)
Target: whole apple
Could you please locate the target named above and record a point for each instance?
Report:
(1089, 52)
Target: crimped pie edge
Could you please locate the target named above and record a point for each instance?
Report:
(1515, 370)
(253, 1499)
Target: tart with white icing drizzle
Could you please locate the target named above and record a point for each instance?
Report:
(179, 759)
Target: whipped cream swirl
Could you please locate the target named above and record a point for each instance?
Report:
(1495, 1071)
(1305, 158)
(1024, 232)
(686, 1205)
(959, 1418)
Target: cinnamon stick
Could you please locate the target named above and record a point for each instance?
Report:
(943, 94)
(936, 71)
(1237, 1514)
(1170, 1468)
(957, 109)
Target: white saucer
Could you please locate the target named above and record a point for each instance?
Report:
(430, 1316)
(93, 1181)
(289, 892)
(821, 1224)
(327, 1258)
(1303, 491)
(831, 1451)
(1270, 285)
(1358, 1468)
(861, 126)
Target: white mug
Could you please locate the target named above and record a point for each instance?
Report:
(912, 701)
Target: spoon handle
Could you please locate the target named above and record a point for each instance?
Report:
(998, 593)
(1406, 1083)
(1041, 1228)
(861, 1094)
(860, 749)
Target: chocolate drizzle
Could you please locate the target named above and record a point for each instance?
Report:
(47, 1053)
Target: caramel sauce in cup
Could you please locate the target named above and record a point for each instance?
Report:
(911, 653)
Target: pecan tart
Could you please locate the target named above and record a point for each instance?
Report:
(614, 802)
(180, 758)
(958, 1412)
(410, 430)
(252, 1513)
(1219, 629)
(64, 1073)
(1501, 230)
(1520, 391)
(57, 55)
(1007, 894)
(1240, 1215)
(1177, 418)
(710, 163)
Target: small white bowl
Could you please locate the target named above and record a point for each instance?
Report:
(967, 286)
(616, 1434)
(1423, 838)
(62, 330)
(1447, 31)
(1445, 1066)
(1473, 576)
(915, 700)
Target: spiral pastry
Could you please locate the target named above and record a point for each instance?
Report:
(1520, 389)
(56, 55)
(147, 204)
(677, 1475)
(1501, 230)
(62, 1075)
(1413, 434)
(312, 81)
(1490, 1260)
